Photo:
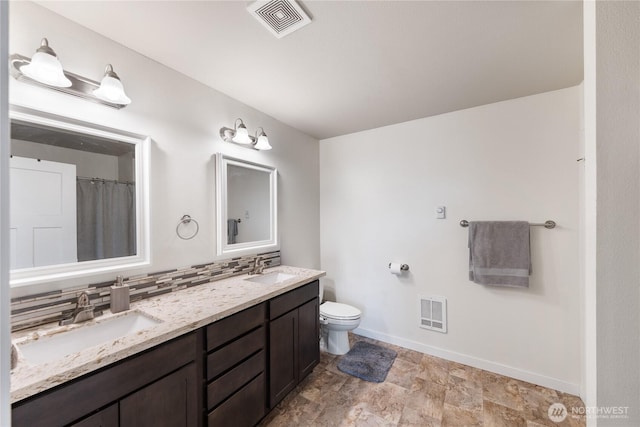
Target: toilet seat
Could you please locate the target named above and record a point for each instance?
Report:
(338, 311)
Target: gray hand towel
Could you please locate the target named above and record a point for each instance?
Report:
(232, 231)
(499, 253)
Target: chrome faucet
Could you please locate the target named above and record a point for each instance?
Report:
(258, 266)
(83, 312)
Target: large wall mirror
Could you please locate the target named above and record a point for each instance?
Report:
(247, 219)
(78, 198)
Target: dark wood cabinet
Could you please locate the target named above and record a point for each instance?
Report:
(246, 407)
(308, 337)
(108, 417)
(294, 346)
(96, 399)
(283, 365)
(170, 401)
(236, 369)
(215, 376)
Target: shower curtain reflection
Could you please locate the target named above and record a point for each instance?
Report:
(106, 219)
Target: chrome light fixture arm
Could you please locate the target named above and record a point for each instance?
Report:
(258, 142)
(67, 82)
(81, 87)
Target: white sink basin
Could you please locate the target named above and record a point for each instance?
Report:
(57, 345)
(271, 278)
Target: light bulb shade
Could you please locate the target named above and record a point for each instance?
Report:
(241, 135)
(45, 67)
(262, 143)
(111, 89)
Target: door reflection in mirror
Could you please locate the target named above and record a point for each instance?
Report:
(42, 200)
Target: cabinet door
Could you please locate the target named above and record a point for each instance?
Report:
(308, 337)
(170, 401)
(283, 360)
(107, 417)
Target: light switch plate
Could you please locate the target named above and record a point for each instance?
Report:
(441, 212)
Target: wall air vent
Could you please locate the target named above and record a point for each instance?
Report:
(433, 313)
(280, 17)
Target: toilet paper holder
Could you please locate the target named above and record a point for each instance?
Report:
(403, 267)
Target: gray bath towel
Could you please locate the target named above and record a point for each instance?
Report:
(499, 253)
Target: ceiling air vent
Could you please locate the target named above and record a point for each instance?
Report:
(280, 17)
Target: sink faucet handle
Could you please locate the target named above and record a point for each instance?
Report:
(83, 300)
(84, 311)
(14, 356)
(259, 265)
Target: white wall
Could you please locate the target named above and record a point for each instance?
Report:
(184, 118)
(509, 160)
(618, 223)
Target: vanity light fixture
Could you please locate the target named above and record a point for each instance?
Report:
(111, 89)
(45, 67)
(262, 142)
(240, 135)
(44, 70)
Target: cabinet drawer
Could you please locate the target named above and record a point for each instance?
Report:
(287, 302)
(243, 409)
(233, 353)
(233, 380)
(231, 327)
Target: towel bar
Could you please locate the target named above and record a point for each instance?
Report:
(547, 224)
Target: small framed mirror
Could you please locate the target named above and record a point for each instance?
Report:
(78, 198)
(247, 200)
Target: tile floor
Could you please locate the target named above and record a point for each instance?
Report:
(420, 390)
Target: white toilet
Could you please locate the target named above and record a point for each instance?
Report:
(336, 320)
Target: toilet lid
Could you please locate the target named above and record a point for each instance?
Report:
(335, 310)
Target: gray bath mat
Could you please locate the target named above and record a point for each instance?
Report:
(366, 361)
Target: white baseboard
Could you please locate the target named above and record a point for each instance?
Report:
(475, 362)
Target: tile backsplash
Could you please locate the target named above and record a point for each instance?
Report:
(38, 309)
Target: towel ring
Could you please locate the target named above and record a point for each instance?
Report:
(186, 219)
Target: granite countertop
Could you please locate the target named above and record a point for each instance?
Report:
(178, 312)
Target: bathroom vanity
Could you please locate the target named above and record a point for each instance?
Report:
(158, 387)
(227, 350)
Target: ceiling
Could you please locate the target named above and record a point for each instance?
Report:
(359, 64)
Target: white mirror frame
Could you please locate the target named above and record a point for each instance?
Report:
(35, 275)
(223, 248)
